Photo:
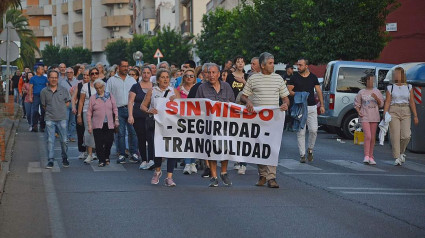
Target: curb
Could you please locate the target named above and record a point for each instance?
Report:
(9, 143)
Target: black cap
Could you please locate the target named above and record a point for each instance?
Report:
(289, 66)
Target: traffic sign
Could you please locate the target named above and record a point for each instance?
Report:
(13, 51)
(13, 35)
(158, 54)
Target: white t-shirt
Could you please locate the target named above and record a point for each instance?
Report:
(85, 90)
(399, 94)
(158, 93)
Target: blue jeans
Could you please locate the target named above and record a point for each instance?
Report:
(189, 161)
(35, 115)
(16, 96)
(132, 138)
(50, 130)
(28, 111)
(70, 123)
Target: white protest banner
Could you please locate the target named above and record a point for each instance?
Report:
(205, 129)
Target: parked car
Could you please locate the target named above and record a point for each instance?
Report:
(342, 81)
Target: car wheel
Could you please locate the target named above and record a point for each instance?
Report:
(349, 125)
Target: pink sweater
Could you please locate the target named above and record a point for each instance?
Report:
(368, 105)
(98, 109)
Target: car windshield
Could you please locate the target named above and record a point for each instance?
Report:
(352, 80)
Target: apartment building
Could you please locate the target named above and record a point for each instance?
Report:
(91, 24)
(225, 4)
(39, 13)
(188, 14)
(145, 12)
(164, 14)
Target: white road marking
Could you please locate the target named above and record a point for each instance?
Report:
(386, 193)
(380, 189)
(355, 166)
(354, 174)
(296, 165)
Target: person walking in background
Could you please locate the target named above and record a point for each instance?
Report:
(15, 86)
(55, 99)
(367, 104)
(69, 83)
(75, 101)
(399, 102)
(28, 98)
(137, 118)
(101, 121)
(37, 83)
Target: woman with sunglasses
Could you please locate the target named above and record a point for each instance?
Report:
(137, 118)
(75, 101)
(134, 73)
(86, 92)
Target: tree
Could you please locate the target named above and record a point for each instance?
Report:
(27, 37)
(138, 43)
(115, 51)
(51, 54)
(6, 4)
(80, 55)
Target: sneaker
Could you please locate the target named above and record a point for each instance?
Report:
(186, 169)
(150, 164)
(272, 183)
(366, 160)
(372, 161)
(403, 158)
(310, 155)
(143, 165)
(214, 182)
(65, 163)
(206, 173)
(397, 162)
(94, 156)
(121, 159)
(88, 160)
(134, 158)
(193, 168)
(156, 176)
(261, 181)
(225, 179)
(82, 155)
(49, 165)
(236, 166)
(302, 159)
(169, 182)
(242, 169)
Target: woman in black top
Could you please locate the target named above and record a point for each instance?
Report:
(237, 79)
(75, 100)
(137, 118)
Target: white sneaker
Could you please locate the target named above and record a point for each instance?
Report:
(372, 161)
(88, 160)
(397, 162)
(193, 168)
(242, 169)
(366, 160)
(403, 158)
(143, 165)
(150, 164)
(236, 166)
(186, 169)
(82, 155)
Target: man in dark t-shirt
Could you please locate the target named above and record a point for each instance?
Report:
(304, 81)
(15, 84)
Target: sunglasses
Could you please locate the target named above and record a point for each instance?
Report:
(131, 74)
(94, 73)
(189, 76)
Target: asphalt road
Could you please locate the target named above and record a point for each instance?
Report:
(334, 196)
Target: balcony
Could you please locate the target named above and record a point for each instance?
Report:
(42, 31)
(78, 27)
(114, 21)
(78, 6)
(65, 30)
(111, 2)
(64, 8)
(36, 10)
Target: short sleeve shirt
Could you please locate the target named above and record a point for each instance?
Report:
(38, 82)
(140, 95)
(207, 90)
(305, 84)
(265, 90)
(85, 90)
(55, 103)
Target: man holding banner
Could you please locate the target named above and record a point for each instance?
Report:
(264, 89)
(216, 90)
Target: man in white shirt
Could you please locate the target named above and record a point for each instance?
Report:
(119, 86)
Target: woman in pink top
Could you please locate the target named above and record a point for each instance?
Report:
(187, 83)
(367, 103)
(100, 119)
(28, 98)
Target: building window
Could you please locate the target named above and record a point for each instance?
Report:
(147, 26)
(44, 23)
(42, 3)
(55, 40)
(43, 44)
(66, 40)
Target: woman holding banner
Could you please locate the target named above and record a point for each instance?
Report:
(162, 90)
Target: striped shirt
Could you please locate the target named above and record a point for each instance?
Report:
(265, 90)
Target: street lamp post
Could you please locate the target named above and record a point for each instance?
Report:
(138, 56)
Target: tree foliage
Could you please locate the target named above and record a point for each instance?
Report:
(321, 31)
(115, 51)
(70, 56)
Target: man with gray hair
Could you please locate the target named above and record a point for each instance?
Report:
(261, 90)
(62, 72)
(217, 90)
(68, 84)
(255, 66)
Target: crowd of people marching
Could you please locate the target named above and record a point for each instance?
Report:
(97, 108)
